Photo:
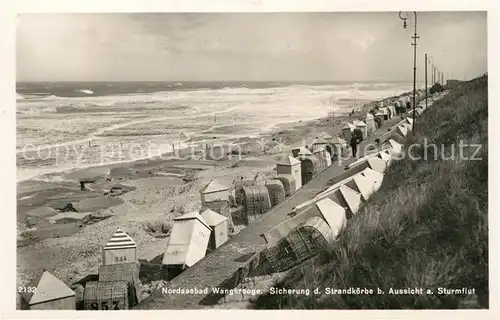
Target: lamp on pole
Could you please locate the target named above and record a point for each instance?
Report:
(414, 44)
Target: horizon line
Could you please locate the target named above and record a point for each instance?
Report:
(191, 81)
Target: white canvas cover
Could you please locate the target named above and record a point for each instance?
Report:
(325, 211)
(375, 178)
(288, 160)
(323, 194)
(407, 126)
(352, 198)
(318, 149)
(377, 164)
(307, 203)
(120, 240)
(280, 231)
(303, 152)
(213, 186)
(326, 192)
(347, 132)
(395, 145)
(359, 161)
(328, 158)
(326, 136)
(393, 109)
(319, 140)
(365, 186)
(218, 223)
(290, 165)
(214, 191)
(192, 215)
(333, 214)
(409, 120)
(318, 144)
(349, 126)
(363, 127)
(370, 123)
(402, 130)
(339, 141)
(395, 153)
(212, 218)
(386, 157)
(49, 288)
(188, 241)
(359, 123)
(215, 196)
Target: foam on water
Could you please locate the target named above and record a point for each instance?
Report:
(164, 118)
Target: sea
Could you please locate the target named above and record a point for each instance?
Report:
(66, 126)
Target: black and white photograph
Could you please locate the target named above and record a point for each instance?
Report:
(252, 160)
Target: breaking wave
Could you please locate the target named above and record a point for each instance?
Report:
(87, 91)
(36, 110)
(109, 117)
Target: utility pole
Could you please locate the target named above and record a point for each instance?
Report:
(332, 100)
(433, 74)
(415, 37)
(414, 44)
(426, 89)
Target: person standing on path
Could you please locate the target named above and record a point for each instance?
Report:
(354, 145)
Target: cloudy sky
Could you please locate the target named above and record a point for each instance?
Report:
(246, 46)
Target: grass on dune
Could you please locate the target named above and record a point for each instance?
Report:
(425, 228)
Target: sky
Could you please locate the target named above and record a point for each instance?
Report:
(322, 46)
